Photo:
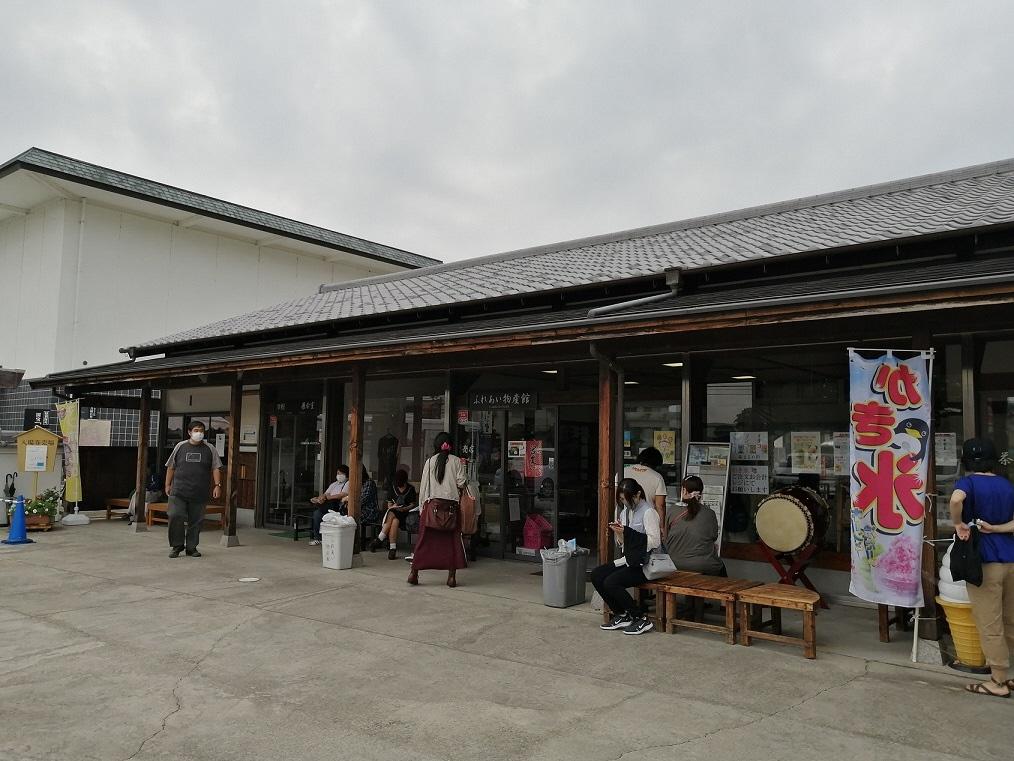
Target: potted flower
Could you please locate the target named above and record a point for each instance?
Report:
(41, 512)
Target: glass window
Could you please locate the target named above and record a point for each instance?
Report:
(653, 414)
(401, 420)
(785, 414)
(994, 388)
(948, 430)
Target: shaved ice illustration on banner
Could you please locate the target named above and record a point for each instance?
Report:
(889, 445)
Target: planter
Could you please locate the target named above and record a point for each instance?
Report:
(38, 522)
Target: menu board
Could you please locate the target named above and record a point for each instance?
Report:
(710, 462)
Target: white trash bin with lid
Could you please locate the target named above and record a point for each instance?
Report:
(337, 542)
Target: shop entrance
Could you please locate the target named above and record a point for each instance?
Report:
(294, 456)
(536, 476)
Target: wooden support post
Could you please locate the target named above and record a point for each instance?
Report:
(229, 538)
(141, 474)
(607, 457)
(356, 407)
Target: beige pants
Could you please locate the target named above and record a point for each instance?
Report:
(993, 610)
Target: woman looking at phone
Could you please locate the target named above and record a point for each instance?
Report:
(636, 530)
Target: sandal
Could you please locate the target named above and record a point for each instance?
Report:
(979, 688)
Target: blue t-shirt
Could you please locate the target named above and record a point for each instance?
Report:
(990, 498)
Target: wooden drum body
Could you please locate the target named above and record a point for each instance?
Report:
(792, 518)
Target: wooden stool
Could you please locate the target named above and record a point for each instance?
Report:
(779, 597)
(120, 505)
(724, 590)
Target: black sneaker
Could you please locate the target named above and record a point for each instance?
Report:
(639, 626)
(392, 554)
(375, 545)
(193, 554)
(176, 552)
(621, 621)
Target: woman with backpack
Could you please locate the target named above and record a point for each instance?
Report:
(986, 500)
(439, 544)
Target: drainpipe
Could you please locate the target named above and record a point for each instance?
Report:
(672, 279)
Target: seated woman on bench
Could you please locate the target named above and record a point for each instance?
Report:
(691, 532)
(402, 500)
(331, 500)
(637, 531)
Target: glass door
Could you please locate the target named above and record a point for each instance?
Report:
(294, 475)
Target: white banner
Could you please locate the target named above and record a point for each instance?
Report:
(889, 440)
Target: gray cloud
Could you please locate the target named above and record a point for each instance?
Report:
(461, 128)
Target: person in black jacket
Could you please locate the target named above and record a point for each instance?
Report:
(401, 500)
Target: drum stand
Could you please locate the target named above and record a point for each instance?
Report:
(791, 566)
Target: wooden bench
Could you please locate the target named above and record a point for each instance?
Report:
(779, 597)
(121, 506)
(158, 512)
(657, 586)
(698, 586)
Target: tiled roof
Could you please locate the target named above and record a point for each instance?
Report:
(37, 159)
(935, 204)
(949, 274)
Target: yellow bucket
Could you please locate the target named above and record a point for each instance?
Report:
(963, 631)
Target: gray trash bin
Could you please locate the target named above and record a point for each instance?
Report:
(563, 577)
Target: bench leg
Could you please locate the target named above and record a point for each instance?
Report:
(883, 623)
(744, 623)
(730, 622)
(810, 634)
(776, 620)
(669, 600)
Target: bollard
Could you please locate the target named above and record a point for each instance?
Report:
(19, 530)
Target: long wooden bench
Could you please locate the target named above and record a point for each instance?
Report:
(779, 597)
(722, 589)
(158, 512)
(653, 586)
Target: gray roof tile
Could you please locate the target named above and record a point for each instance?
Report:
(92, 174)
(934, 204)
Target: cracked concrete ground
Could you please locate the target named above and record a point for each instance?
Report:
(110, 650)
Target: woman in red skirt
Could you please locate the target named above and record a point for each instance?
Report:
(443, 477)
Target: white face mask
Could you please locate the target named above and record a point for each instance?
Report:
(341, 478)
(197, 436)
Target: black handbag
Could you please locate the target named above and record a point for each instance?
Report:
(966, 562)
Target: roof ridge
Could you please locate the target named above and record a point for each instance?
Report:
(29, 156)
(707, 220)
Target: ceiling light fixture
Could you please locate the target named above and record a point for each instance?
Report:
(550, 372)
(630, 383)
(672, 364)
(744, 377)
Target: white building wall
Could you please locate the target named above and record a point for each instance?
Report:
(30, 278)
(129, 278)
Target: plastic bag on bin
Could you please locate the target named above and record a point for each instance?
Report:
(564, 549)
(336, 519)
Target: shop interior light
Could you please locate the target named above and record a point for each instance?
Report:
(630, 383)
(672, 364)
(550, 372)
(744, 377)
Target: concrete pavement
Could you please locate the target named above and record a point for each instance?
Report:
(110, 650)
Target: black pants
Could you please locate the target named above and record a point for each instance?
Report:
(318, 517)
(189, 512)
(612, 583)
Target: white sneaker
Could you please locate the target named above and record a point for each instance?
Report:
(408, 558)
(315, 542)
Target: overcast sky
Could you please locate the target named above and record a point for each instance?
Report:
(456, 129)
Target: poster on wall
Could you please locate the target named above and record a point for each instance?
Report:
(805, 447)
(889, 411)
(841, 453)
(748, 479)
(945, 449)
(516, 449)
(665, 442)
(751, 446)
(96, 433)
(533, 458)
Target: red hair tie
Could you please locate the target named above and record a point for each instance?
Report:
(445, 447)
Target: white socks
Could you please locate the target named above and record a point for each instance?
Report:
(394, 545)
(381, 536)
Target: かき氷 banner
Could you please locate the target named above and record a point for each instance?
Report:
(889, 448)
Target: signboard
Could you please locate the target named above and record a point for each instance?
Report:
(35, 416)
(710, 462)
(945, 449)
(665, 443)
(889, 437)
(841, 453)
(37, 437)
(505, 399)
